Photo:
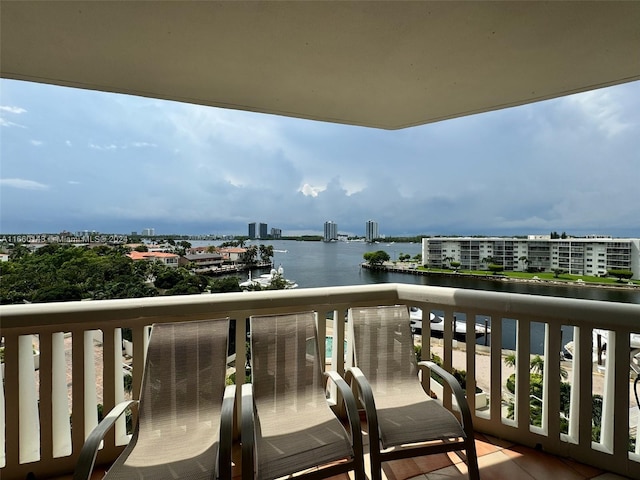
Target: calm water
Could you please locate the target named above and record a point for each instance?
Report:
(319, 264)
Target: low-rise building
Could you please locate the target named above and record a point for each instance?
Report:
(168, 259)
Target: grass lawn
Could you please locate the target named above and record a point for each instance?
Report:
(547, 276)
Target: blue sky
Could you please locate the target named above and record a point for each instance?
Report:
(81, 160)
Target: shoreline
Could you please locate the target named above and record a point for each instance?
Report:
(498, 278)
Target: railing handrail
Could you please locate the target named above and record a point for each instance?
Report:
(583, 312)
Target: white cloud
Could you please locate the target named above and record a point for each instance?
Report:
(23, 184)
(10, 109)
(311, 191)
(103, 147)
(36, 143)
(143, 144)
(68, 143)
(73, 182)
(7, 123)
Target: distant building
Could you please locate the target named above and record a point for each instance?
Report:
(577, 256)
(258, 230)
(168, 259)
(276, 233)
(371, 231)
(148, 232)
(330, 231)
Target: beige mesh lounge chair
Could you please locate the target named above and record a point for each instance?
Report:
(185, 414)
(399, 412)
(287, 424)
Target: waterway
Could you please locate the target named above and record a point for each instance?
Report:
(320, 264)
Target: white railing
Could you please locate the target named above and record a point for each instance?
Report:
(81, 349)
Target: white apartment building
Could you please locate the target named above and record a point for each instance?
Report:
(330, 231)
(371, 231)
(591, 256)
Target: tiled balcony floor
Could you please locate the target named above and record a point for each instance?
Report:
(498, 460)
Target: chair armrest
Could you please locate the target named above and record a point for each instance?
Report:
(248, 432)
(359, 382)
(226, 432)
(455, 387)
(87, 457)
(352, 410)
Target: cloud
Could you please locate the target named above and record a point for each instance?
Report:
(310, 191)
(103, 147)
(36, 143)
(23, 184)
(7, 123)
(10, 109)
(144, 144)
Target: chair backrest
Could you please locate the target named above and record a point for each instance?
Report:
(382, 345)
(286, 366)
(295, 428)
(180, 402)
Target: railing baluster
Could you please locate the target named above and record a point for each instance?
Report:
(28, 410)
(59, 398)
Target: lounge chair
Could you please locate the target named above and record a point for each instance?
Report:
(287, 424)
(185, 413)
(384, 374)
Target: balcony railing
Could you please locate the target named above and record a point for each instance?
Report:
(46, 414)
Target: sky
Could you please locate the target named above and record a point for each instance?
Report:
(76, 160)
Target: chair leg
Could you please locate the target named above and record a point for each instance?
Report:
(376, 463)
(472, 459)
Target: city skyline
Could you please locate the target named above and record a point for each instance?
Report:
(83, 160)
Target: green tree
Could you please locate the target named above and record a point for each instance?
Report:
(376, 258)
(266, 253)
(495, 268)
(620, 274)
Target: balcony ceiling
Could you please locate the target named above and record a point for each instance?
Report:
(378, 64)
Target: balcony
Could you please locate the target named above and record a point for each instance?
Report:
(81, 365)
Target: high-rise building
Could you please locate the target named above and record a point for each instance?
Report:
(330, 231)
(252, 230)
(263, 231)
(148, 232)
(371, 231)
(276, 233)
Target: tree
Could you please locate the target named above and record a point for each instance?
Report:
(557, 272)
(620, 274)
(376, 258)
(495, 268)
(266, 253)
(250, 255)
(446, 260)
(455, 265)
(141, 248)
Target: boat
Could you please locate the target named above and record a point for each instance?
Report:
(437, 325)
(263, 282)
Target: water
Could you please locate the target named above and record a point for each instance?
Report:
(319, 264)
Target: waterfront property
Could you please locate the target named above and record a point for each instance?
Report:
(376, 64)
(592, 256)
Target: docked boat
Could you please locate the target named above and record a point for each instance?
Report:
(436, 323)
(264, 281)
